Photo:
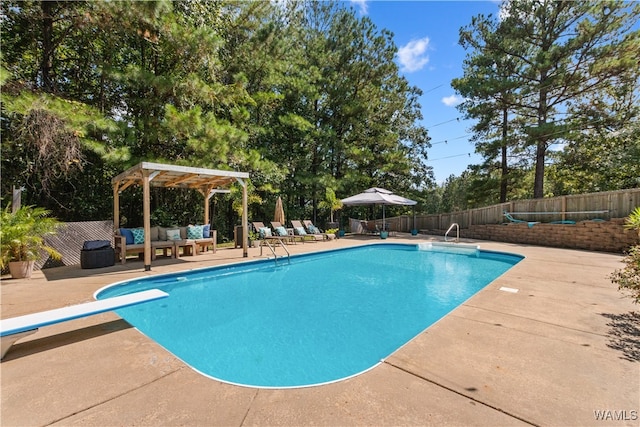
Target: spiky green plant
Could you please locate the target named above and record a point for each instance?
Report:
(22, 234)
(632, 222)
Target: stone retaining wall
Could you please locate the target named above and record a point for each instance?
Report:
(606, 236)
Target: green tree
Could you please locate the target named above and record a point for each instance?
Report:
(560, 55)
(489, 87)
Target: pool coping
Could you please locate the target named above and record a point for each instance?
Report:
(550, 354)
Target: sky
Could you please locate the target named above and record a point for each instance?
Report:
(429, 56)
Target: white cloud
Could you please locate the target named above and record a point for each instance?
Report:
(361, 5)
(413, 56)
(453, 100)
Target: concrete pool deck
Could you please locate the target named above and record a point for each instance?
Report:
(562, 351)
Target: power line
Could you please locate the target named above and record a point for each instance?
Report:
(445, 141)
(449, 157)
(448, 121)
(432, 89)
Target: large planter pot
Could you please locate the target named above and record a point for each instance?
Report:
(21, 269)
(384, 234)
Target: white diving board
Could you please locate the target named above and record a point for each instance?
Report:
(16, 328)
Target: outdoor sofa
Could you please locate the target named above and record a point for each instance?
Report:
(191, 239)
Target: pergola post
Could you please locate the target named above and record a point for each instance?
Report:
(116, 206)
(245, 218)
(146, 214)
(206, 208)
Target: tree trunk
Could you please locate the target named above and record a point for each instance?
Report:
(538, 185)
(46, 66)
(505, 171)
(541, 139)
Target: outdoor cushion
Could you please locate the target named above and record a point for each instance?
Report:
(162, 233)
(313, 229)
(154, 233)
(281, 231)
(183, 233)
(264, 232)
(300, 231)
(138, 235)
(194, 232)
(92, 245)
(205, 231)
(173, 234)
(128, 235)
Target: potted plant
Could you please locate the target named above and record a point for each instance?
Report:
(22, 239)
(253, 237)
(332, 233)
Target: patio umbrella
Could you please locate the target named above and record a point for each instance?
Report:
(377, 196)
(278, 216)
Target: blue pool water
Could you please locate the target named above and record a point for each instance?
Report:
(321, 318)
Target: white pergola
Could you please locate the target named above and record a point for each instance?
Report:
(206, 181)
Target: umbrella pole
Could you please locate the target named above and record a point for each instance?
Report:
(384, 228)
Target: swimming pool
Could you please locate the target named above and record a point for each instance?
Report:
(322, 318)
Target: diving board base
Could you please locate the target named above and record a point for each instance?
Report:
(9, 340)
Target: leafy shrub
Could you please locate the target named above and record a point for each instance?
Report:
(628, 278)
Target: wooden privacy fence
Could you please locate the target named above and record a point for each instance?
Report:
(579, 207)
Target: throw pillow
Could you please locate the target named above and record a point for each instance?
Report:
(264, 232)
(138, 235)
(128, 235)
(194, 232)
(313, 229)
(281, 231)
(300, 231)
(173, 234)
(205, 231)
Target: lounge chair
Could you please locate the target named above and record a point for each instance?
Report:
(281, 231)
(267, 235)
(370, 227)
(312, 229)
(519, 221)
(300, 230)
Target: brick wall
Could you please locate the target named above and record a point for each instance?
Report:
(606, 236)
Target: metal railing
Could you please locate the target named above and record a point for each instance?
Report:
(455, 224)
(273, 250)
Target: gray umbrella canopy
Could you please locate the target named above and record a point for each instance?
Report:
(377, 196)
